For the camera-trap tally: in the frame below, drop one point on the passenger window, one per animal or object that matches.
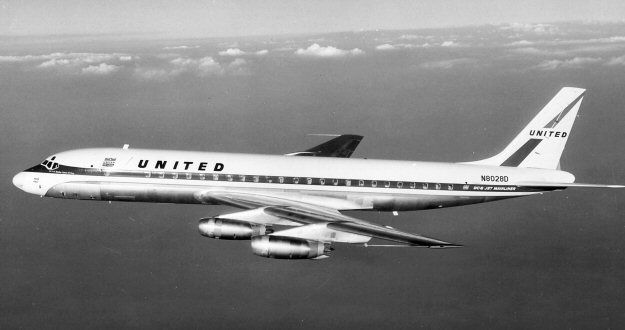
(147, 174)
(450, 187)
(425, 186)
(361, 183)
(281, 179)
(400, 184)
(374, 184)
(322, 181)
(229, 176)
(242, 178)
(348, 182)
(174, 175)
(202, 177)
(308, 180)
(438, 186)
(335, 182)
(189, 176)
(296, 180)
(269, 179)
(387, 184)
(256, 178)
(161, 175)
(216, 177)
(412, 185)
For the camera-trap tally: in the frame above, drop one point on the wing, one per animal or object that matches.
(342, 146)
(314, 222)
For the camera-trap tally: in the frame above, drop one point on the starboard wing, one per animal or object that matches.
(342, 146)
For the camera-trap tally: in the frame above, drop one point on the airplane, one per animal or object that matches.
(292, 207)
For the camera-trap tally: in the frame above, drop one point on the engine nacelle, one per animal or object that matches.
(288, 248)
(231, 229)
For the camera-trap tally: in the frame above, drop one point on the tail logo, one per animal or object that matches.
(546, 133)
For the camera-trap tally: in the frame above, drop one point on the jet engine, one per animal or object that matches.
(231, 229)
(288, 248)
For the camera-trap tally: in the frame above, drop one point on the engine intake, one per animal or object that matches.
(288, 248)
(231, 229)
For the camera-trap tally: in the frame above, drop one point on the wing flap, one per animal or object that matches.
(389, 234)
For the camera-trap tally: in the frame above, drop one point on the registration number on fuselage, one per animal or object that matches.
(495, 178)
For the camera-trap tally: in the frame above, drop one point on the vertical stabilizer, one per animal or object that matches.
(541, 142)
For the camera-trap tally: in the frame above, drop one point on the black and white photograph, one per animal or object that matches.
(312, 164)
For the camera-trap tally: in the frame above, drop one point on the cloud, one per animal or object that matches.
(238, 62)
(152, 74)
(18, 58)
(208, 66)
(385, 47)
(520, 43)
(584, 49)
(199, 67)
(74, 62)
(446, 64)
(315, 50)
(180, 47)
(262, 52)
(573, 63)
(540, 29)
(532, 51)
(409, 37)
(238, 67)
(449, 44)
(616, 61)
(56, 62)
(232, 52)
(592, 45)
(204, 66)
(101, 69)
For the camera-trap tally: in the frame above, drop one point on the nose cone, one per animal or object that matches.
(19, 180)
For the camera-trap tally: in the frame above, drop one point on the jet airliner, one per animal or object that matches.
(291, 206)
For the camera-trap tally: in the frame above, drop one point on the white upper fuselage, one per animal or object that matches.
(166, 175)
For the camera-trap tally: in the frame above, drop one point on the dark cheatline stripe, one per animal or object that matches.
(563, 113)
(519, 156)
(178, 177)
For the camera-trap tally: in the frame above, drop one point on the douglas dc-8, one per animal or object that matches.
(291, 205)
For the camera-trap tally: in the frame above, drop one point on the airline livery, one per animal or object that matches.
(291, 204)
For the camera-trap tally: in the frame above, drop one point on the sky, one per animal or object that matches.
(448, 94)
(199, 18)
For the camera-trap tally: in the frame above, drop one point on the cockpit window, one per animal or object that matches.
(50, 164)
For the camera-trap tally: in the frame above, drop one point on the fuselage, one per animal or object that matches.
(170, 176)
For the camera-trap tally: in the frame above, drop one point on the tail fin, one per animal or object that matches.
(541, 142)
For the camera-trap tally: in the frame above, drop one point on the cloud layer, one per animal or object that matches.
(315, 50)
(509, 46)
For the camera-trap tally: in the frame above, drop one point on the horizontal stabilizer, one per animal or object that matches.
(566, 185)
